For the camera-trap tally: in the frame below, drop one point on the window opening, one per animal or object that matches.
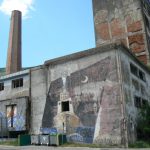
(17, 83)
(1, 86)
(65, 106)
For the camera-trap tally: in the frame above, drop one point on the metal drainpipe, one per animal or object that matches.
(122, 98)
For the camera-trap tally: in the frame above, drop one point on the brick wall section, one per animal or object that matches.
(117, 28)
(143, 59)
(136, 43)
(117, 20)
(134, 26)
(103, 31)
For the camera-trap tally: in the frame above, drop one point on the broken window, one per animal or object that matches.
(142, 75)
(1, 86)
(134, 69)
(137, 102)
(17, 83)
(11, 111)
(143, 90)
(65, 106)
(135, 84)
(140, 102)
(137, 72)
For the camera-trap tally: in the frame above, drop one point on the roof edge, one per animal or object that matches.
(81, 54)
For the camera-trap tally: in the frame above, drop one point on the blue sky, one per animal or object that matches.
(50, 28)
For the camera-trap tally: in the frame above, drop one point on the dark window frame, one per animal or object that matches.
(142, 75)
(140, 102)
(137, 72)
(144, 102)
(133, 69)
(1, 86)
(137, 102)
(16, 83)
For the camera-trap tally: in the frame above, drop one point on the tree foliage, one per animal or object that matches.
(143, 127)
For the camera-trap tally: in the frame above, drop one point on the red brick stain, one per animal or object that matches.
(134, 26)
(117, 28)
(103, 31)
(143, 59)
(136, 43)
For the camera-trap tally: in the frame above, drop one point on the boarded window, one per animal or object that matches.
(11, 111)
(1, 86)
(65, 106)
(17, 83)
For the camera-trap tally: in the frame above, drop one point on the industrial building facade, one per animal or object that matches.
(92, 96)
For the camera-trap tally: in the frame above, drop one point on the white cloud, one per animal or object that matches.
(23, 5)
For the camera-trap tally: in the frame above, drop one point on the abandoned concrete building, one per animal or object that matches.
(92, 96)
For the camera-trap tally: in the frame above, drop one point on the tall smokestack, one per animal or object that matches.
(14, 61)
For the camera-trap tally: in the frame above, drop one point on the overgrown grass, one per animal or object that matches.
(140, 144)
(9, 142)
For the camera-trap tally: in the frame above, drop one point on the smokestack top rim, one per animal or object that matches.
(16, 11)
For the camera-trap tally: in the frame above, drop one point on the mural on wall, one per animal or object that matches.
(15, 121)
(14, 111)
(74, 103)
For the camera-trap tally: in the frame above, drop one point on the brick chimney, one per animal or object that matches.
(14, 61)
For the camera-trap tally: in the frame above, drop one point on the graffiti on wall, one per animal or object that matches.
(15, 113)
(82, 134)
(15, 121)
(74, 102)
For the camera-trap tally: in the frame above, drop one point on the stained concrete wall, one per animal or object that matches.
(38, 98)
(121, 20)
(9, 92)
(133, 86)
(16, 96)
(91, 85)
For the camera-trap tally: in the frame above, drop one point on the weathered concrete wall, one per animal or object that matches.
(16, 96)
(133, 86)
(121, 20)
(20, 116)
(9, 92)
(38, 98)
(91, 86)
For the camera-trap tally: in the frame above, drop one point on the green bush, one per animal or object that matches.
(140, 144)
(143, 127)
